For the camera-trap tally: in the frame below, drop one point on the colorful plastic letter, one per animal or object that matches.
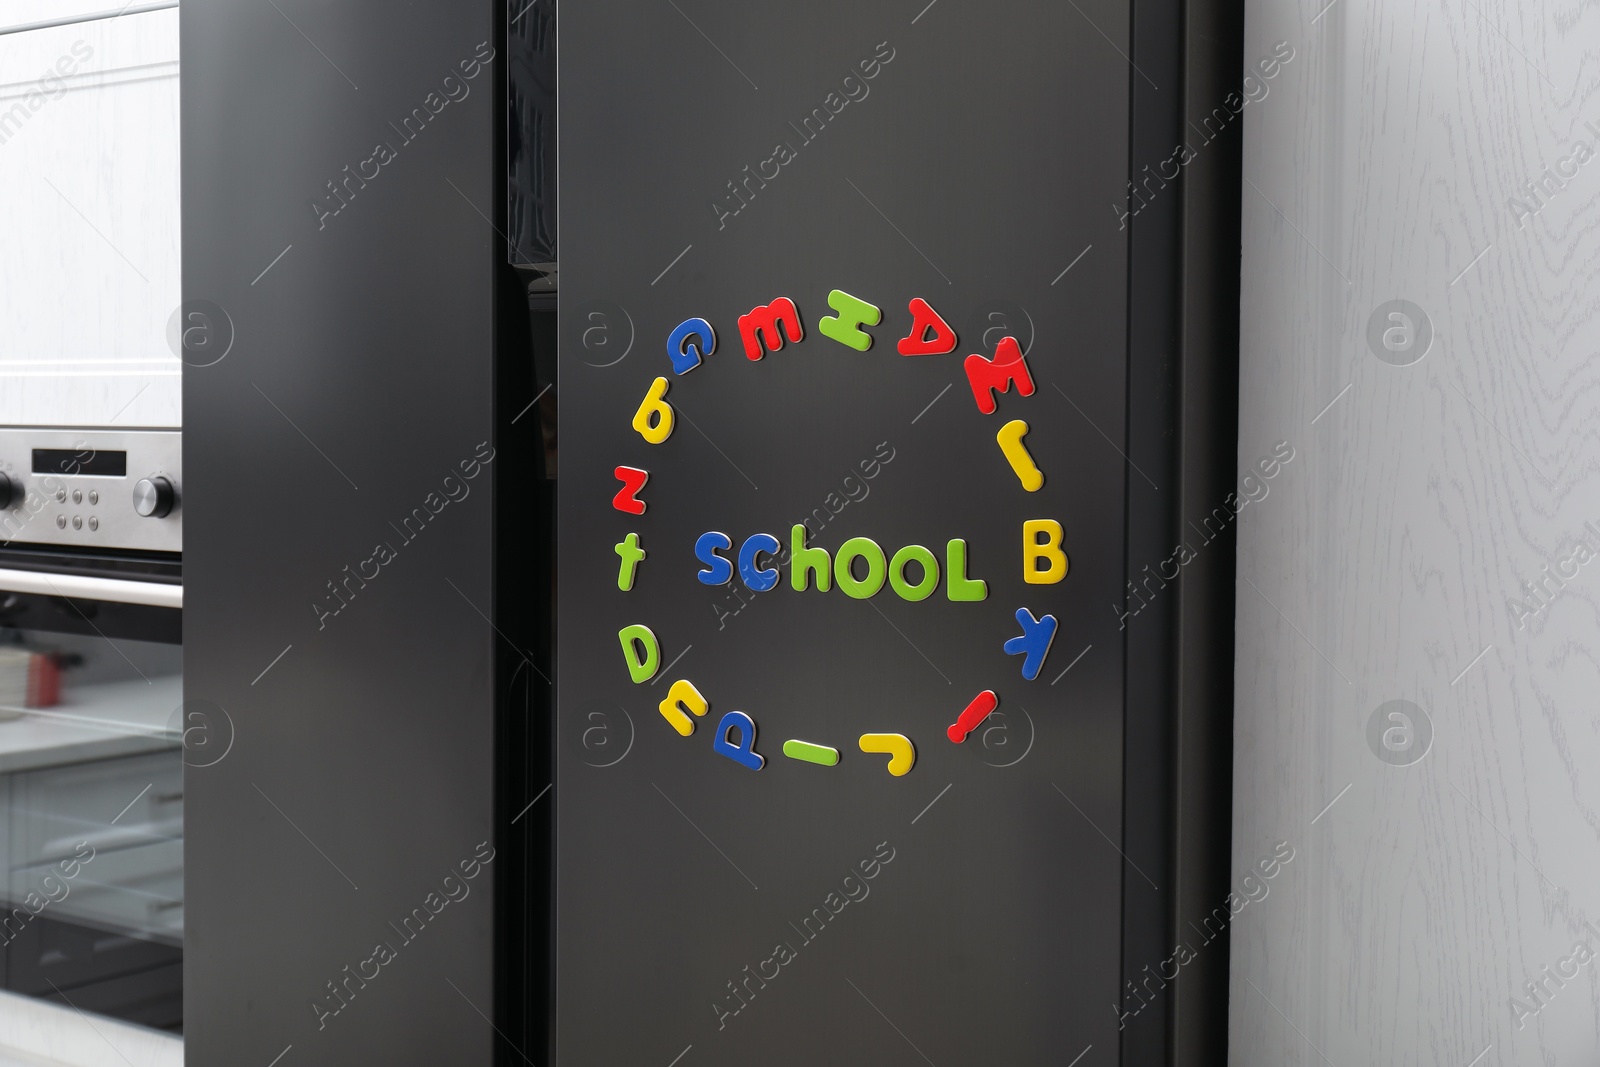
(744, 753)
(628, 548)
(627, 498)
(987, 376)
(718, 570)
(810, 753)
(653, 420)
(760, 330)
(867, 549)
(1041, 540)
(902, 753)
(971, 716)
(957, 585)
(757, 578)
(1016, 453)
(845, 327)
(683, 695)
(640, 668)
(1034, 644)
(923, 319)
(682, 349)
(930, 573)
(805, 562)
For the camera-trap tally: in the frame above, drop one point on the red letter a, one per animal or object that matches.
(923, 319)
(989, 376)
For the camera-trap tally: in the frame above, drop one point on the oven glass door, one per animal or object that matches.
(91, 822)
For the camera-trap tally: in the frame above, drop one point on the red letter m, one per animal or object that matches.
(760, 329)
(989, 376)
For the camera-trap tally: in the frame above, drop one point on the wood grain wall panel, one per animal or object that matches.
(1382, 166)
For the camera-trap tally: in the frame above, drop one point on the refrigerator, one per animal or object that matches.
(846, 676)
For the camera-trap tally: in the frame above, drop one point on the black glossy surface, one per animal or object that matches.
(1150, 787)
(74, 461)
(163, 567)
(362, 768)
(530, 69)
(1213, 56)
(96, 971)
(981, 162)
(91, 618)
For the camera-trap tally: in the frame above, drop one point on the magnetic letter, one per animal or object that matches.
(805, 562)
(744, 753)
(1041, 540)
(930, 573)
(682, 349)
(867, 549)
(989, 376)
(845, 327)
(759, 580)
(641, 669)
(810, 753)
(653, 420)
(760, 329)
(923, 319)
(628, 548)
(1034, 644)
(627, 498)
(683, 695)
(718, 570)
(958, 586)
(1016, 453)
(902, 754)
(973, 715)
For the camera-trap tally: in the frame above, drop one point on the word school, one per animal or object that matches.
(1043, 563)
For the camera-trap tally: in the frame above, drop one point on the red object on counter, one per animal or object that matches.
(44, 681)
(28, 679)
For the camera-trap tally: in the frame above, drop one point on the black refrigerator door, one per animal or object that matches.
(339, 162)
(879, 304)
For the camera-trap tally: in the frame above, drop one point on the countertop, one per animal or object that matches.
(94, 722)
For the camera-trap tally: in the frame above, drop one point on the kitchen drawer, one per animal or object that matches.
(135, 890)
(151, 998)
(128, 977)
(55, 807)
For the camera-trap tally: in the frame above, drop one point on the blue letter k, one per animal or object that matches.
(1034, 644)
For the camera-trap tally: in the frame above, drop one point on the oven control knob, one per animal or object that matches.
(10, 492)
(153, 497)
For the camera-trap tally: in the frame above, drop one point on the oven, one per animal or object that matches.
(93, 728)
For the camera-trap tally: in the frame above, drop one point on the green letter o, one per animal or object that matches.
(930, 573)
(867, 549)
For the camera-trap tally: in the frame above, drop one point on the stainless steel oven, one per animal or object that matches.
(92, 722)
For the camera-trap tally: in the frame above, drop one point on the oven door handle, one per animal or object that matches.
(82, 587)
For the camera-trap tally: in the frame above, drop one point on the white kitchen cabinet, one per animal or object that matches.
(89, 176)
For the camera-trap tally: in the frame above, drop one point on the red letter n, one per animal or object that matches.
(996, 375)
(760, 329)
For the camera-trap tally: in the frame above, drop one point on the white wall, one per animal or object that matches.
(89, 232)
(1382, 563)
